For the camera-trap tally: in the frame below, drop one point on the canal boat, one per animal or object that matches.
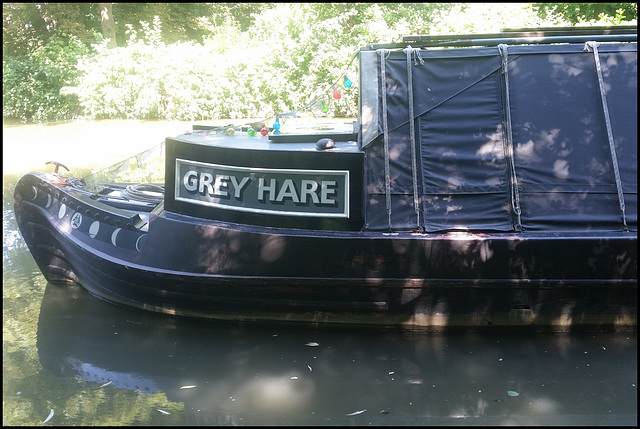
(489, 181)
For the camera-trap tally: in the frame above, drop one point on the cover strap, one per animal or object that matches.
(385, 131)
(417, 59)
(513, 179)
(593, 47)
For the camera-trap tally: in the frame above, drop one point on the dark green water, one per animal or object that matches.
(81, 361)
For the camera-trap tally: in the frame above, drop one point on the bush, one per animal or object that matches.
(32, 85)
(148, 79)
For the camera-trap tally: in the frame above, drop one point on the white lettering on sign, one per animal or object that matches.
(310, 191)
(328, 188)
(205, 183)
(309, 188)
(277, 191)
(238, 187)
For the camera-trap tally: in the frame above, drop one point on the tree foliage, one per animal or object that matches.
(576, 13)
(29, 26)
(32, 85)
(224, 60)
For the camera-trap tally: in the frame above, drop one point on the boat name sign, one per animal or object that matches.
(318, 193)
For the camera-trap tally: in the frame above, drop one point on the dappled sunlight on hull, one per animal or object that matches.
(411, 303)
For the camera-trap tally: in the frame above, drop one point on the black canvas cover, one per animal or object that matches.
(505, 138)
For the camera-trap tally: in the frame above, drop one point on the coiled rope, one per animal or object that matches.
(147, 193)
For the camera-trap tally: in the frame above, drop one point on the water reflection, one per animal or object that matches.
(254, 374)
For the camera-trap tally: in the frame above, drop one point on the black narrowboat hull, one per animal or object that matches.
(186, 266)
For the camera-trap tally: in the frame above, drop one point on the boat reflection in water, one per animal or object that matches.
(281, 374)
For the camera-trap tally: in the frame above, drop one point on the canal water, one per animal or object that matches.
(71, 359)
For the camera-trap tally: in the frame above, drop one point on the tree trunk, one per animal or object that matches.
(108, 24)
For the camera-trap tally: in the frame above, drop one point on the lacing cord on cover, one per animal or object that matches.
(385, 131)
(513, 185)
(593, 47)
(417, 59)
